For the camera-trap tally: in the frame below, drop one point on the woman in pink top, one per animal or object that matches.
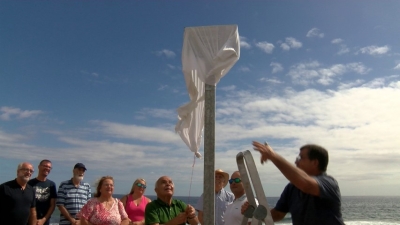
(103, 209)
(135, 202)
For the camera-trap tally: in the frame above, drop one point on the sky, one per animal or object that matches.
(99, 82)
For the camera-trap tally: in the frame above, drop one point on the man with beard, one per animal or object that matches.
(222, 198)
(72, 195)
(17, 198)
(166, 210)
(46, 193)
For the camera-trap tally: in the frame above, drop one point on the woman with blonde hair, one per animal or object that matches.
(103, 209)
(135, 202)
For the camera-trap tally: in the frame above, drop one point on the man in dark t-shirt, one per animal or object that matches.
(46, 193)
(312, 197)
(17, 198)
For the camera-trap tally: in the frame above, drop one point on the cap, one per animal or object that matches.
(80, 165)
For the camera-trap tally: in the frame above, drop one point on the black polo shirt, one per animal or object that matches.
(15, 203)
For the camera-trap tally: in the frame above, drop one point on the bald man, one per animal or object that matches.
(166, 210)
(17, 205)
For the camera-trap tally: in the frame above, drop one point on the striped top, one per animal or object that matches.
(72, 198)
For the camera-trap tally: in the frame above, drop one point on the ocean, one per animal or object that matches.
(371, 210)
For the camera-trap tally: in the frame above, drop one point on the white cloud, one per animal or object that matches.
(243, 43)
(228, 88)
(265, 46)
(315, 32)
(244, 69)
(291, 42)
(337, 41)
(171, 66)
(313, 72)
(397, 67)
(8, 112)
(167, 53)
(343, 50)
(285, 47)
(271, 80)
(374, 50)
(276, 67)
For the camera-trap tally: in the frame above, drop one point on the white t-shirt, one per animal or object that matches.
(233, 215)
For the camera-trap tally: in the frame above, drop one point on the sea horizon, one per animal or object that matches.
(356, 210)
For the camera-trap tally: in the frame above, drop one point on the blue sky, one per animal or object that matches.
(99, 82)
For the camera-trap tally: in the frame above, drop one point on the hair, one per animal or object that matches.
(21, 164)
(319, 153)
(100, 183)
(134, 183)
(44, 161)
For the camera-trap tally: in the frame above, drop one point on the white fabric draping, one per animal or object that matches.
(208, 54)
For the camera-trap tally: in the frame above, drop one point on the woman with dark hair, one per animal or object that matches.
(135, 202)
(103, 209)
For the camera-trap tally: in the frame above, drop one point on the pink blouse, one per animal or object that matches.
(95, 212)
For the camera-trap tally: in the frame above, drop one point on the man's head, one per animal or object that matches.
(79, 171)
(164, 187)
(221, 179)
(24, 172)
(313, 159)
(236, 185)
(44, 168)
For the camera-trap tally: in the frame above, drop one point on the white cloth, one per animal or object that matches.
(208, 54)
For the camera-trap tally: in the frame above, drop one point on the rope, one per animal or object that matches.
(191, 178)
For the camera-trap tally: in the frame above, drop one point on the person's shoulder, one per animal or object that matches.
(50, 182)
(7, 183)
(33, 181)
(66, 182)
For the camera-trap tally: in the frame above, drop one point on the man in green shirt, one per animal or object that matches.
(166, 210)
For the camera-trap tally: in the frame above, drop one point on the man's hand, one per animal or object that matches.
(244, 207)
(266, 151)
(190, 211)
(41, 221)
(179, 219)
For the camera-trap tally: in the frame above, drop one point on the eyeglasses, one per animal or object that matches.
(141, 185)
(236, 180)
(27, 170)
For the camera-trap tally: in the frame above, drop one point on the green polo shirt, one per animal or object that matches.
(159, 212)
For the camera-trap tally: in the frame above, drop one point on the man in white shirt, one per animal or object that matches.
(233, 215)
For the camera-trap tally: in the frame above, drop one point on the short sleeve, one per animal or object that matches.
(89, 196)
(283, 205)
(87, 210)
(53, 190)
(150, 214)
(122, 211)
(199, 206)
(33, 203)
(60, 195)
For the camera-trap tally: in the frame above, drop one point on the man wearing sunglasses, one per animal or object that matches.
(312, 197)
(233, 215)
(17, 205)
(222, 198)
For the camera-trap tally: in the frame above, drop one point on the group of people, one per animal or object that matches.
(311, 196)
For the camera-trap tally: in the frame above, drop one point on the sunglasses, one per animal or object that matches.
(236, 180)
(141, 185)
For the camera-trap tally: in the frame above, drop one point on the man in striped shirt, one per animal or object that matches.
(72, 196)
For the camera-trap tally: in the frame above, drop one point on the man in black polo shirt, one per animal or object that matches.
(17, 198)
